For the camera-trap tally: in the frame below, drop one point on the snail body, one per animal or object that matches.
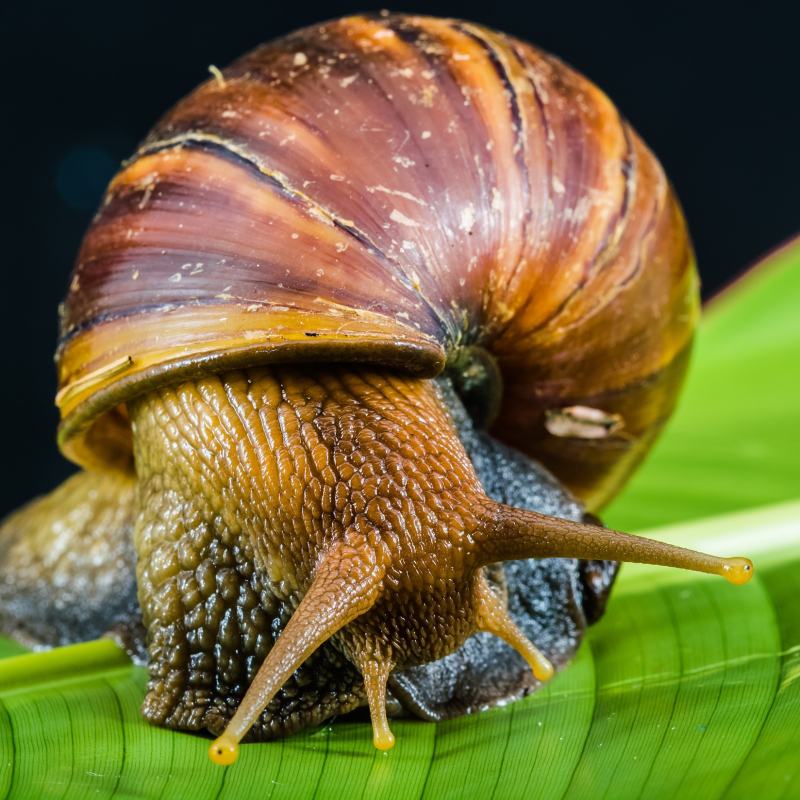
(255, 325)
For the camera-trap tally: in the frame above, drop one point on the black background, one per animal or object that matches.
(713, 88)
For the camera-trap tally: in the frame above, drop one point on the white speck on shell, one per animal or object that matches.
(497, 200)
(582, 422)
(397, 216)
(468, 218)
(406, 195)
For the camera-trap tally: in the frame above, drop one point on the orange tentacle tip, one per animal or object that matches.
(383, 740)
(223, 751)
(737, 570)
(543, 670)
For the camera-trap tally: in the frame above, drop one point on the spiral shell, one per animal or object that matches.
(408, 191)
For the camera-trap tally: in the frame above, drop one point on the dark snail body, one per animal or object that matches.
(253, 325)
(68, 565)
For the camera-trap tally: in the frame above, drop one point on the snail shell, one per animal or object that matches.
(405, 191)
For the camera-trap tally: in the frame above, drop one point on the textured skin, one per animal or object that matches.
(249, 481)
(243, 475)
(392, 190)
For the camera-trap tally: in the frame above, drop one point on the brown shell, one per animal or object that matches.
(391, 189)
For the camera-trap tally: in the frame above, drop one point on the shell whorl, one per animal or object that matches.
(391, 189)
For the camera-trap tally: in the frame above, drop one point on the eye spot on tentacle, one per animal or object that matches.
(223, 751)
(738, 570)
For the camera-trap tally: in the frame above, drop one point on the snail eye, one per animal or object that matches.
(224, 751)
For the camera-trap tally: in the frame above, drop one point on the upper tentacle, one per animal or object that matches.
(506, 534)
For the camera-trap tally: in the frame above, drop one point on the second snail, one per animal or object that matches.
(359, 341)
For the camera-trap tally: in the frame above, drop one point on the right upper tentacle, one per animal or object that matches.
(507, 533)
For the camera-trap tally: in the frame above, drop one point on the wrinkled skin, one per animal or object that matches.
(229, 528)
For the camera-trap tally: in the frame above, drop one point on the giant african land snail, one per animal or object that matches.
(255, 325)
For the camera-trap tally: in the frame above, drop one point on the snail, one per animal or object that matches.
(319, 282)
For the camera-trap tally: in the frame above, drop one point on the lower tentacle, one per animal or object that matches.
(376, 673)
(493, 618)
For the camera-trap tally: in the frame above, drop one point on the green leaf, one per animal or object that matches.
(9, 648)
(689, 687)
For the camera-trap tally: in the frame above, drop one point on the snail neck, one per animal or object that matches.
(283, 460)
